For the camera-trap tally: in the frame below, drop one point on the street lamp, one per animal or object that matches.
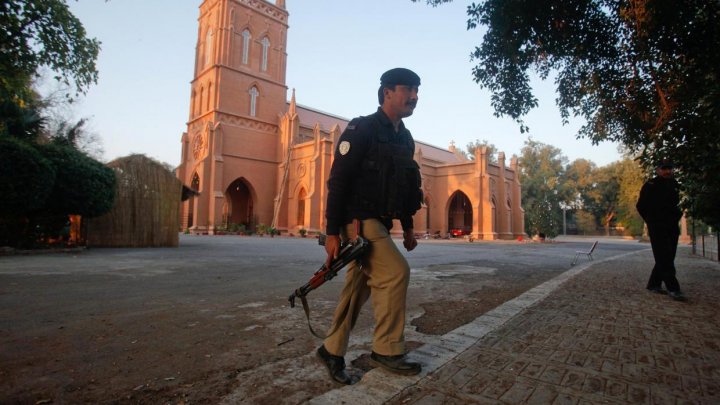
(571, 205)
(564, 207)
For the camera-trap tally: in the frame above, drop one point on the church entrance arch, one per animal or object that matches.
(240, 203)
(460, 215)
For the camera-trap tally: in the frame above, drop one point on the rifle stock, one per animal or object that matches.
(349, 251)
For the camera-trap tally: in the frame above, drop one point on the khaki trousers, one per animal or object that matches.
(384, 278)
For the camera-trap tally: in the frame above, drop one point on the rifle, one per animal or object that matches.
(349, 251)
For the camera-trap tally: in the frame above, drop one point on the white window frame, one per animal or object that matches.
(246, 36)
(254, 93)
(265, 47)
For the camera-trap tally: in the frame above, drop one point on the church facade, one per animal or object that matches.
(256, 158)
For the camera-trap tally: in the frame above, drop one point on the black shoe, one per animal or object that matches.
(397, 364)
(677, 295)
(657, 290)
(335, 366)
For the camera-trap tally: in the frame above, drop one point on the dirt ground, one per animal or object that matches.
(173, 356)
(163, 327)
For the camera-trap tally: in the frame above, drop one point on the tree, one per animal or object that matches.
(603, 197)
(586, 222)
(83, 186)
(541, 171)
(645, 73)
(76, 136)
(472, 146)
(26, 178)
(44, 176)
(577, 182)
(630, 177)
(43, 33)
(21, 121)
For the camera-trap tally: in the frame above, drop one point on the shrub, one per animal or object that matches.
(83, 186)
(26, 178)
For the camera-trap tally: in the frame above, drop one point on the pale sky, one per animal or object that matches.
(337, 50)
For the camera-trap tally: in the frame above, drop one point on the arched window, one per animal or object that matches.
(245, 46)
(265, 47)
(509, 215)
(254, 93)
(208, 47)
(193, 102)
(494, 215)
(200, 103)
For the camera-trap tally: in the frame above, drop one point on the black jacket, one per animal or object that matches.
(350, 182)
(659, 201)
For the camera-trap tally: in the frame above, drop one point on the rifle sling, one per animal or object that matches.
(341, 319)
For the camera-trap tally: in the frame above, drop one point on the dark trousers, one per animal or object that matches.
(664, 243)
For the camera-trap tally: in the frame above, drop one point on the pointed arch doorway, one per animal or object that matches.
(240, 204)
(460, 215)
(195, 185)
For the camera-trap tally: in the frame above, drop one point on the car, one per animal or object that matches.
(459, 232)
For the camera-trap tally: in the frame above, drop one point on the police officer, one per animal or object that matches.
(374, 180)
(658, 206)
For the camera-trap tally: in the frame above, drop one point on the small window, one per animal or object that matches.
(200, 103)
(265, 47)
(254, 93)
(208, 48)
(245, 46)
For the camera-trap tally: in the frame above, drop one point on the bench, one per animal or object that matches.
(587, 253)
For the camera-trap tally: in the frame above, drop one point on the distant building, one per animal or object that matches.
(256, 158)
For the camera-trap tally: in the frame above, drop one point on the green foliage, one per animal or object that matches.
(541, 169)
(83, 186)
(602, 198)
(41, 183)
(43, 33)
(24, 123)
(701, 185)
(586, 222)
(236, 228)
(491, 150)
(26, 178)
(643, 73)
(594, 196)
(630, 177)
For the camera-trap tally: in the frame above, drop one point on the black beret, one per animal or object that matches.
(665, 163)
(400, 76)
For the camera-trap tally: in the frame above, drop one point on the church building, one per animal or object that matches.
(257, 158)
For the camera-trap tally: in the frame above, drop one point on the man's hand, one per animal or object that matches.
(409, 240)
(332, 247)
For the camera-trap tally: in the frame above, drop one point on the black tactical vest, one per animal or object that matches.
(389, 182)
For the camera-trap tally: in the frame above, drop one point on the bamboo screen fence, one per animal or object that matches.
(147, 207)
